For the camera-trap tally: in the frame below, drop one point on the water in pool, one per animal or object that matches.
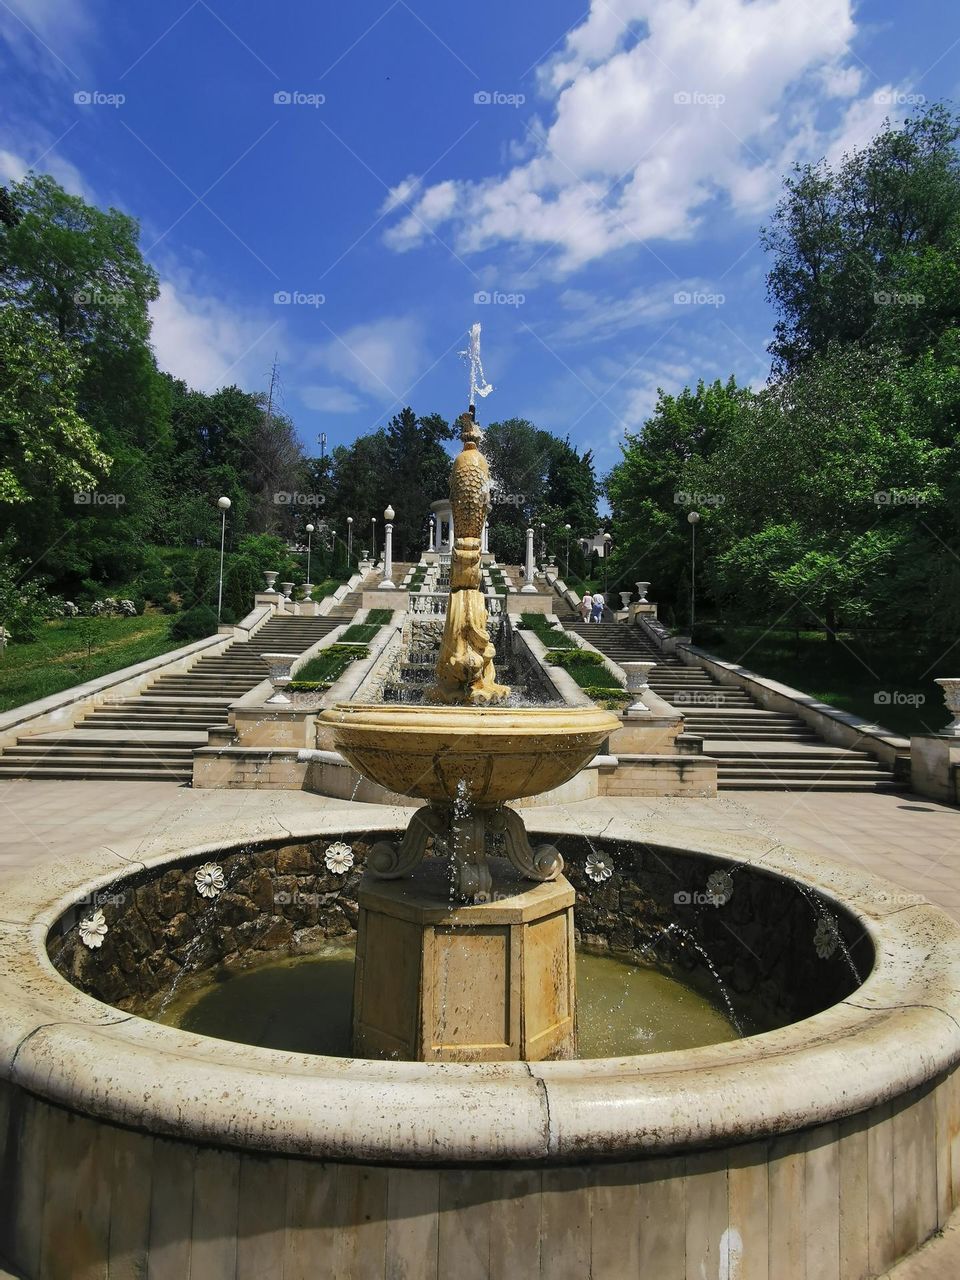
(303, 1005)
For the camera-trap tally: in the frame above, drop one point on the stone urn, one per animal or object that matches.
(951, 696)
(271, 577)
(287, 589)
(625, 598)
(638, 674)
(278, 671)
(642, 589)
(551, 562)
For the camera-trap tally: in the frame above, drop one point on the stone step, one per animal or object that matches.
(147, 722)
(819, 784)
(98, 751)
(817, 769)
(100, 771)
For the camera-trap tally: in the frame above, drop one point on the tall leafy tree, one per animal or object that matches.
(852, 243)
(45, 444)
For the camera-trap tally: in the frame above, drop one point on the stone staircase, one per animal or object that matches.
(152, 735)
(755, 749)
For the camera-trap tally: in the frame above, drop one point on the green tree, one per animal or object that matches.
(45, 443)
(848, 242)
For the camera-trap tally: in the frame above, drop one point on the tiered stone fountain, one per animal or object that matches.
(437, 980)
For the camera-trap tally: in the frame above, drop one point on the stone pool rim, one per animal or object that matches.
(896, 1032)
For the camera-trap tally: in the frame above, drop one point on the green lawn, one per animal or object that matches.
(328, 666)
(63, 655)
(870, 678)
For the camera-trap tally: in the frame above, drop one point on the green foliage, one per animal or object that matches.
(194, 624)
(43, 438)
(24, 602)
(881, 225)
(537, 478)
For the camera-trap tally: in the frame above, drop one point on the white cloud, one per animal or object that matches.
(383, 358)
(208, 344)
(627, 158)
(330, 399)
(46, 36)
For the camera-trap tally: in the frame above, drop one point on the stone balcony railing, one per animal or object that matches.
(434, 603)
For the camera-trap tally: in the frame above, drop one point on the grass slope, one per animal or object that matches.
(70, 651)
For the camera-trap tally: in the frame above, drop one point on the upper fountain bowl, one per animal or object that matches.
(492, 755)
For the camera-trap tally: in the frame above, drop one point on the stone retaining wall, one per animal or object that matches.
(780, 955)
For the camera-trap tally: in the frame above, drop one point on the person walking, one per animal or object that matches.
(586, 607)
(597, 607)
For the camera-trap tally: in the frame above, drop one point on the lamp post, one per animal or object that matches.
(693, 519)
(543, 542)
(309, 543)
(224, 505)
(566, 575)
(433, 534)
(388, 583)
(606, 563)
(349, 541)
(373, 537)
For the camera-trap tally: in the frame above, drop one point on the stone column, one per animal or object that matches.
(528, 571)
(485, 538)
(388, 583)
(433, 532)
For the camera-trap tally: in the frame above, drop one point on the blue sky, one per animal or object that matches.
(585, 167)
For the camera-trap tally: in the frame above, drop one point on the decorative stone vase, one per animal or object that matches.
(642, 589)
(625, 598)
(271, 577)
(278, 671)
(637, 674)
(951, 696)
(287, 589)
(551, 562)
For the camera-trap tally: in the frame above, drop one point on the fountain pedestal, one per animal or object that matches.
(489, 982)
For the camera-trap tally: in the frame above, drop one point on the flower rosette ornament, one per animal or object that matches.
(209, 880)
(93, 930)
(339, 858)
(598, 867)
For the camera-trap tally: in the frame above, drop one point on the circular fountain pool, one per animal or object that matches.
(829, 1132)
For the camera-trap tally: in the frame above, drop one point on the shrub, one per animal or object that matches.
(194, 624)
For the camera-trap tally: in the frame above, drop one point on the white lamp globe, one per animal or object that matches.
(223, 504)
(388, 513)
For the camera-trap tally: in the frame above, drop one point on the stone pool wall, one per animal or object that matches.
(779, 954)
